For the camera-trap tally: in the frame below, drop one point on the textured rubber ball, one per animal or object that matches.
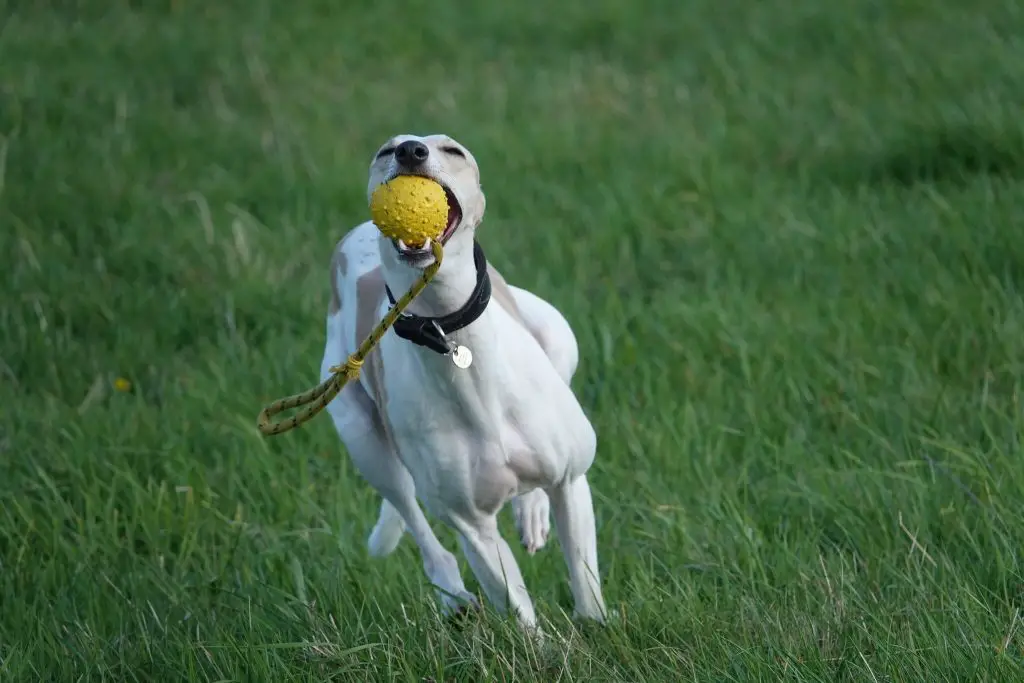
(410, 208)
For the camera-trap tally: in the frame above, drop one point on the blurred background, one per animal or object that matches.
(787, 233)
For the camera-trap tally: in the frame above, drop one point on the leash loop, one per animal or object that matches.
(317, 398)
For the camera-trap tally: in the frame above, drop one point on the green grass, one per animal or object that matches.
(788, 235)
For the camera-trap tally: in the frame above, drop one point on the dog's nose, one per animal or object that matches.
(411, 153)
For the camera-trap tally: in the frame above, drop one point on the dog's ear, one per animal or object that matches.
(478, 209)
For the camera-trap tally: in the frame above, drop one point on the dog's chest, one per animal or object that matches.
(484, 433)
(474, 459)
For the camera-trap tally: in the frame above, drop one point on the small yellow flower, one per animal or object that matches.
(121, 384)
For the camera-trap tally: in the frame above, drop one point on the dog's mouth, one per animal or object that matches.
(423, 256)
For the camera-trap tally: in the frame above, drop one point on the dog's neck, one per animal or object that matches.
(450, 288)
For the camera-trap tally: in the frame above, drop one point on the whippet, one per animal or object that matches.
(464, 437)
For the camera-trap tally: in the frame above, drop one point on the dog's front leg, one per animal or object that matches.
(577, 534)
(494, 566)
(380, 466)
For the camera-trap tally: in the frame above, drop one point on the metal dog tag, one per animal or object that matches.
(462, 357)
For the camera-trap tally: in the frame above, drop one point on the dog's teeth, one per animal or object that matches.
(402, 246)
(426, 245)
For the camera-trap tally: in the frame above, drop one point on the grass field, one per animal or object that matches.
(789, 235)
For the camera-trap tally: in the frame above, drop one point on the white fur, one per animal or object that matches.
(465, 442)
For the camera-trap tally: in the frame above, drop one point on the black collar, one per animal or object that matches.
(430, 332)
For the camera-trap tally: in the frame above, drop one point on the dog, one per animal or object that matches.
(424, 425)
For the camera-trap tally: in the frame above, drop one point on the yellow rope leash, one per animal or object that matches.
(324, 393)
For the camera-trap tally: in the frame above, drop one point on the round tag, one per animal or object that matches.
(462, 357)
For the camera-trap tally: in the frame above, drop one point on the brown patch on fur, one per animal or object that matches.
(370, 296)
(339, 266)
(503, 295)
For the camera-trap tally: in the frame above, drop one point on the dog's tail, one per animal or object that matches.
(387, 532)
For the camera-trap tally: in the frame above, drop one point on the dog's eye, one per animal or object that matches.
(454, 151)
(384, 152)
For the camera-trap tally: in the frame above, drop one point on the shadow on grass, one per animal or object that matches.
(952, 155)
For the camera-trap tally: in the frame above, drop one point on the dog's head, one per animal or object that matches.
(445, 161)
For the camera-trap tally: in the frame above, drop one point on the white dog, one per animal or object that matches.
(463, 439)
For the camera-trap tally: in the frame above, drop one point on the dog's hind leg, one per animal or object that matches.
(358, 426)
(533, 519)
(387, 532)
(552, 331)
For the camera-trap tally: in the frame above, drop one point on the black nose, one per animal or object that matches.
(411, 153)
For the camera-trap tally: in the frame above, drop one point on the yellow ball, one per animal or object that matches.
(410, 208)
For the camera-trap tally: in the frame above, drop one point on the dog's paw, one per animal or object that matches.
(608, 616)
(457, 610)
(533, 519)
